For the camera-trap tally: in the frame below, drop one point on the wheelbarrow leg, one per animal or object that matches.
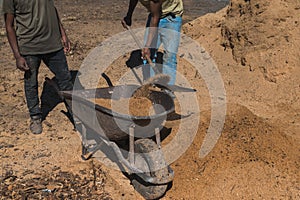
(131, 145)
(86, 152)
(83, 130)
(157, 137)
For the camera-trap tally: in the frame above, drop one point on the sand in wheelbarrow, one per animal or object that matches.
(135, 106)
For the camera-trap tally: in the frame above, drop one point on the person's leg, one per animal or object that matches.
(57, 63)
(170, 36)
(31, 86)
(31, 93)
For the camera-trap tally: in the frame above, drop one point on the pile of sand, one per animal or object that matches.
(264, 35)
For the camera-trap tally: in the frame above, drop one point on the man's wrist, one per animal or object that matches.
(129, 15)
(17, 56)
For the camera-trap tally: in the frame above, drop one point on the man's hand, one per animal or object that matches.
(21, 64)
(66, 42)
(146, 53)
(126, 21)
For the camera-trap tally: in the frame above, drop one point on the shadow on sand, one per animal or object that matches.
(50, 98)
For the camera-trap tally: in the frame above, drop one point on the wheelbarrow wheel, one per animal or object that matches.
(149, 158)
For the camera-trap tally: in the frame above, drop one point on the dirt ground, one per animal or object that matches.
(255, 45)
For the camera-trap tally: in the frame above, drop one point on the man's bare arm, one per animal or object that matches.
(127, 21)
(12, 39)
(155, 9)
(65, 40)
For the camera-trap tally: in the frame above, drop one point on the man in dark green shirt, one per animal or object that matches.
(36, 34)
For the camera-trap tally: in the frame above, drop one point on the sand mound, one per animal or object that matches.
(264, 35)
(256, 47)
(252, 160)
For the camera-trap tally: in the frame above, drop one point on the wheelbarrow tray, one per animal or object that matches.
(113, 125)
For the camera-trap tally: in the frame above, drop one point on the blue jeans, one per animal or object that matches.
(169, 37)
(57, 63)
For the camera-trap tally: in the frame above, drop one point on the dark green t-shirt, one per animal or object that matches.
(37, 25)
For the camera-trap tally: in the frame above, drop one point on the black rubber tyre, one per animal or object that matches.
(152, 164)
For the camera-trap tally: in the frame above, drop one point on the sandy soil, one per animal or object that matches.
(255, 46)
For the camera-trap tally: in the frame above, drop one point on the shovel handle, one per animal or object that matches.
(137, 41)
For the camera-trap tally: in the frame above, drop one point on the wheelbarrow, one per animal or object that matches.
(145, 161)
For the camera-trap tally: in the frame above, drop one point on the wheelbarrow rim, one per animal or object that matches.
(71, 96)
